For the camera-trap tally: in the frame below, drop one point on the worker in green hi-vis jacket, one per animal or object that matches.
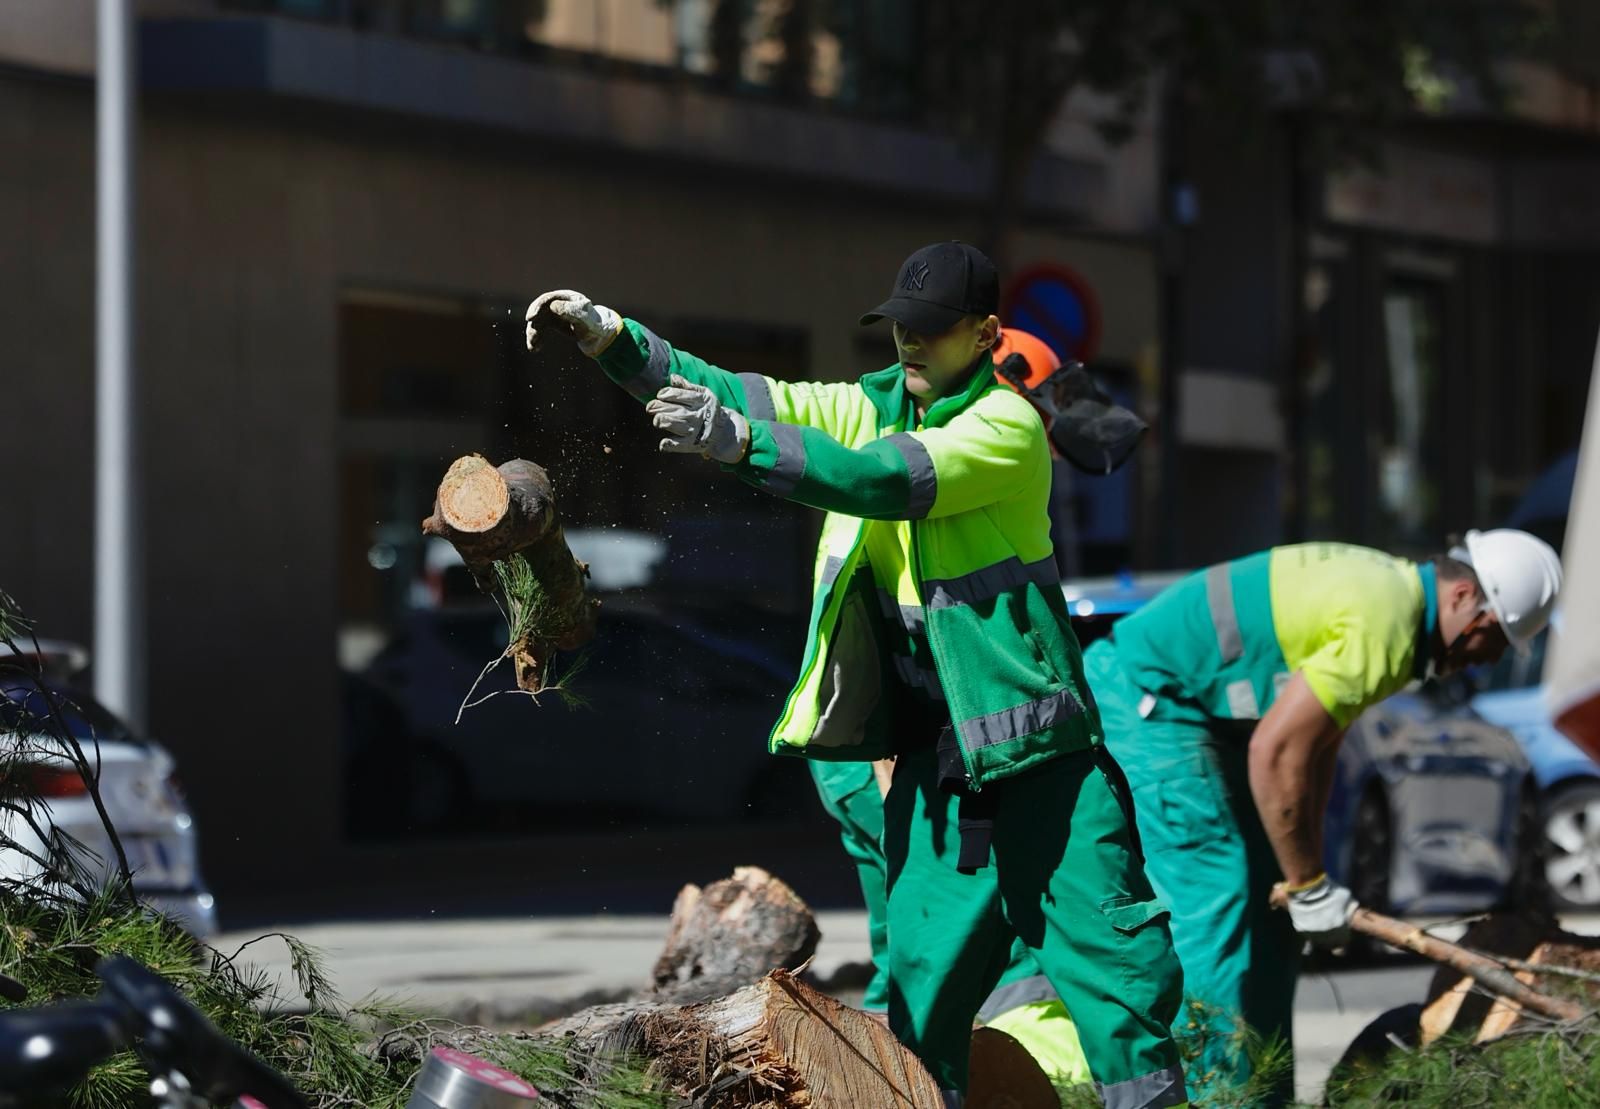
(1007, 819)
(1225, 699)
(1095, 436)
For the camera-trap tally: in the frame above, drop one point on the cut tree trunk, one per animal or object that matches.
(777, 1043)
(491, 513)
(730, 934)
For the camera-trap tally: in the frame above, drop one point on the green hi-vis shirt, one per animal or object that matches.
(1348, 618)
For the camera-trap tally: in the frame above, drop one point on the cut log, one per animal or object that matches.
(1002, 1074)
(490, 514)
(730, 934)
(776, 1043)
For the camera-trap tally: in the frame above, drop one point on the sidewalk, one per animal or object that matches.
(504, 970)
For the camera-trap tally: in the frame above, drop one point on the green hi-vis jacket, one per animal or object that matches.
(972, 485)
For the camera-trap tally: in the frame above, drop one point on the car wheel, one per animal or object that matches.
(1371, 863)
(1572, 845)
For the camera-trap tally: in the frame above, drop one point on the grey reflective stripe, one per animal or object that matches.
(758, 398)
(1024, 991)
(658, 360)
(1159, 1089)
(791, 463)
(1020, 720)
(1224, 620)
(918, 678)
(909, 616)
(924, 481)
(830, 569)
(1242, 704)
(991, 581)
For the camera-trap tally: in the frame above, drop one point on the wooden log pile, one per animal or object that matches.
(729, 1023)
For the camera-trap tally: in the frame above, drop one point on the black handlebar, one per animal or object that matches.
(49, 1048)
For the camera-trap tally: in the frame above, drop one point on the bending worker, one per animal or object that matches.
(1006, 818)
(1225, 699)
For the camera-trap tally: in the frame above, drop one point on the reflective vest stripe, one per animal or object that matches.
(910, 617)
(1224, 619)
(1024, 991)
(1019, 720)
(758, 398)
(991, 581)
(1160, 1089)
(924, 479)
(791, 464)
(648, 382)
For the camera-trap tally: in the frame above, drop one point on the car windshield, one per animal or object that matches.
(23, 708)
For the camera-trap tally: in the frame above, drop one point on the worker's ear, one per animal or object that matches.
(988, 333)
(1459, 596)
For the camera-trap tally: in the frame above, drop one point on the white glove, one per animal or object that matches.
(695, 422)
(1321, 913)
(593, 325)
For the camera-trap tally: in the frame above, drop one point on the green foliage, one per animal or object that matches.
(1207, 1033)
(526, 603)
(1542, 1067)
(363, 1055)
(57, 926)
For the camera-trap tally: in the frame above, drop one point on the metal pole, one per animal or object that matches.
(119, 671)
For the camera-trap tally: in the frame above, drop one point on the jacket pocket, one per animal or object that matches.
(1128, 914)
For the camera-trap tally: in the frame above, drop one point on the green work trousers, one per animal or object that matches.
(1065, 879)
(1023, 1004)
(849, 793)
(1209, 859)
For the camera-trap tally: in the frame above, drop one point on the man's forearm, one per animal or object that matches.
(1281, 783)
(1290, 752)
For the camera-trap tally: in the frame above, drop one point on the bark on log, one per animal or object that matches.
(491, 513)
(730, 934)
(776, 1043)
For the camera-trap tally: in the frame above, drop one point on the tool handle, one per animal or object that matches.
(1489, 973)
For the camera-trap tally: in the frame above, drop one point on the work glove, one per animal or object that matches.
(695, 422)
(593, 325)
(1321, 912)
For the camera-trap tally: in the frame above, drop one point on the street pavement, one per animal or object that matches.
(519, 970)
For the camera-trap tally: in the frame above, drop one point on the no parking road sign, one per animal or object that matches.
(1059, 306)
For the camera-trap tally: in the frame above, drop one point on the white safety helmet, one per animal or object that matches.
(1521, 578)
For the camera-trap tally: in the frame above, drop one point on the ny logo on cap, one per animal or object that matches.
(916, 273)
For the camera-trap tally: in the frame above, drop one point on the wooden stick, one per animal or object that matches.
(1489, 973)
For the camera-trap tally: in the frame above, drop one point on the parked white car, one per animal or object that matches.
(137, 786)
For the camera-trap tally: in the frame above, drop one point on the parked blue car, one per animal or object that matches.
(1512, 696)
(1434, 809)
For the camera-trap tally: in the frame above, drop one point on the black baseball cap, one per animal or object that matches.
(938, 286)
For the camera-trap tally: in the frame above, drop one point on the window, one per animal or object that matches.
(1404, 440)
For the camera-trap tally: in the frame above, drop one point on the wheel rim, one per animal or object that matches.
(1573, 831)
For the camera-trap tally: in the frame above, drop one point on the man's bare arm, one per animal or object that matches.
(1291, 768)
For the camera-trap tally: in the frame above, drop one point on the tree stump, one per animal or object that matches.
(777, 1043)
(730, 934)
(490, 514)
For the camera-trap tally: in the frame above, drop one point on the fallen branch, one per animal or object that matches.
(1489, 972)
(504, 523)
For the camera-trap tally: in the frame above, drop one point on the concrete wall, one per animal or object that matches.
(253, 217)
